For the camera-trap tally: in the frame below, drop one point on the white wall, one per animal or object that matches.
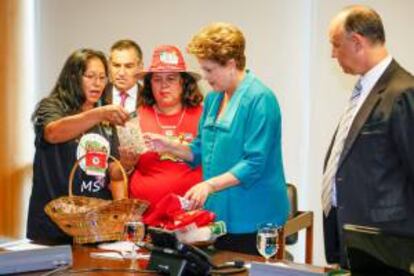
(287, 47)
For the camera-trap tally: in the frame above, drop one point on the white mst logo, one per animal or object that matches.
(93, 185)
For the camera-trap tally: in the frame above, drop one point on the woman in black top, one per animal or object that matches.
(73, 108)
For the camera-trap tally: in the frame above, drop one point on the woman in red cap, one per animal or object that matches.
(170, 105)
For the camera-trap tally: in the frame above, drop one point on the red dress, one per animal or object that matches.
(156, 176)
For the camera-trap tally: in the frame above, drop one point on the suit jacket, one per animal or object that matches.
(108, 93)
(375, 176)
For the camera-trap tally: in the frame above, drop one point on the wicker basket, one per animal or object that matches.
(90, 220)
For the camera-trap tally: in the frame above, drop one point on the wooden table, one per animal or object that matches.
(82, 260)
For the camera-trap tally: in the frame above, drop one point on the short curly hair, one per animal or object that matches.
(219, 42)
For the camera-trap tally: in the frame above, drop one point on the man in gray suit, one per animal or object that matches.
(369, 168)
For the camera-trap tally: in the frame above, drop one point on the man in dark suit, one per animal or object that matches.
(125, 63)
(369, 168)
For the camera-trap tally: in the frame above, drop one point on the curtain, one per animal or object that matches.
(14, 175)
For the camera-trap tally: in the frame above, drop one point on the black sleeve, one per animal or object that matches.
(49, 110)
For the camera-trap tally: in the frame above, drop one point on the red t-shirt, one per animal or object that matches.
(153, 177)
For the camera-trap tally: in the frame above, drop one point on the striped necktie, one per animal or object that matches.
(345, 124)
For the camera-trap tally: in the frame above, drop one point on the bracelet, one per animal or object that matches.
(212, 185)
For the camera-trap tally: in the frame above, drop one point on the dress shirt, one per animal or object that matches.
(131, 100)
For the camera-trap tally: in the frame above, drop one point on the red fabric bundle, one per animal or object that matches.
(170, 214)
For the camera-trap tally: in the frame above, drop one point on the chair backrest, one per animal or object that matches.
(293, 200)
(298, 220)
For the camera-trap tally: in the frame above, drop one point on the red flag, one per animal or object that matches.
(96, 160)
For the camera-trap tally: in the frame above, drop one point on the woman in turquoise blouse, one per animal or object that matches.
(238, 143)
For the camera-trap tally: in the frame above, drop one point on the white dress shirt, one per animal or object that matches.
(131, 100)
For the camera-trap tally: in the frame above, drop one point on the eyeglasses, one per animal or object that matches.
(93, 77)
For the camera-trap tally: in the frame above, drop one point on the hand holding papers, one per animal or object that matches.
(130, 137)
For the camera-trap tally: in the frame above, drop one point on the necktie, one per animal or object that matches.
(345, 124)
(123, 96)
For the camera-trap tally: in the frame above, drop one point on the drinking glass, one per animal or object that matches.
(133, 233)
(266, 242)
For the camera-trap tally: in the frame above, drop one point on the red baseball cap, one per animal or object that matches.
(168, 58)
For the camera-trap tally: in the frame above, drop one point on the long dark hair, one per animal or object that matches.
(67, 92)
(191, 92)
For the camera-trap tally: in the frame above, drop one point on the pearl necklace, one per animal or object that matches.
(168, 128)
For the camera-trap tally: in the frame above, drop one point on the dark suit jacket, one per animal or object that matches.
(108, 93)
(375, 177)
